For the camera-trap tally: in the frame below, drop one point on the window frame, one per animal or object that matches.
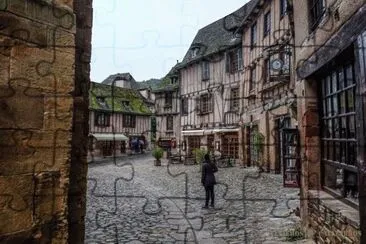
(315, 18)
(205, 103)
(253, 82)
(234, 60)
(234, 99)
(168, 102)
(129, 120)
(283, 8)
(169, 123)
(253, 35)
(104, 121)
(336, 146)
(184, 106)
(205, 69)
(267, 23)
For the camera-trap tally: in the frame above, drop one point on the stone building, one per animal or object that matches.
(269, 102)
(168, 111)
(118, 118)
(330, 67)
(211, 75)
(45, 49)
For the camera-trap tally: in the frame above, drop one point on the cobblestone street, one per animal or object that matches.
(133, 201)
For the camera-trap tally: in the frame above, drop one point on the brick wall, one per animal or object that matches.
(40, 104)
(332, 221)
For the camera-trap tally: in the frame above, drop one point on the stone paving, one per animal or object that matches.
(135, 202)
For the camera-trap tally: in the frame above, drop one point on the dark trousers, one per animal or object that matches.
(210, 194)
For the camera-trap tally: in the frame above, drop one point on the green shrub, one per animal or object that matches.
(199, 154)
(157, 153)
(294, 234)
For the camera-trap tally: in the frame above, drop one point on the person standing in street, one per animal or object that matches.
(208, 180)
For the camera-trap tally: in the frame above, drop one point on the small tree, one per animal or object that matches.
(157, 154)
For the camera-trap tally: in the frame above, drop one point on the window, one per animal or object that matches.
(129, 121)
(230, 145)
(169, 123)
(194, 52)
(168, 99)
(234, 60)
(266, 70)
(317, 9)
(205, 70)
(126, 105)
(253, 78)
(253, 35)
(102, 102)
(234, 99)
(284, 56)
(205, 104)
(102, 119)
(339, 132)
(283, 7)
(184, 106)
(267, 24)
(174, 80)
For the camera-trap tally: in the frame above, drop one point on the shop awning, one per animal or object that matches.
(192, 132)
(110, 137)
(226, 130)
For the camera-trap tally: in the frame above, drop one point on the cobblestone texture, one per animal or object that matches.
(153, 208)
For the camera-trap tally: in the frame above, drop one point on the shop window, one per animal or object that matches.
(338, 141)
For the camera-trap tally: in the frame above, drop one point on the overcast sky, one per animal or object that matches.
(147, 37)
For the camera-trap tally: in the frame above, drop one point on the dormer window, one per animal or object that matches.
(101, 101)
(173, 80)
(126, 103)
(195, 52)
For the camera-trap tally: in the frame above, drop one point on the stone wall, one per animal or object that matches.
(332, 220)
(41, 104)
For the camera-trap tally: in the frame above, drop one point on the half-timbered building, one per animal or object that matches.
(331, 89)
(211, 74)
(167, 111)
(118, 119)
(268, 98)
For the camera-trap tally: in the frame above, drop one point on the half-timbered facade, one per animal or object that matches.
(119, 119)
(167, 111)
(211, 74)
(331, 82)
(268, 86)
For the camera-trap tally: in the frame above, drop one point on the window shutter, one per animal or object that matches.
(227, 62)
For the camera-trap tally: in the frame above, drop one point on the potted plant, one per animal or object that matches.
(199, 155)
(157, 154)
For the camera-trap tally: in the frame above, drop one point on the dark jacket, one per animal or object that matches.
(208, 177)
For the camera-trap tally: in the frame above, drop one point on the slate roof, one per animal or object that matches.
(122, 76)
(165, 83)
(219, 35)
(116, 95)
